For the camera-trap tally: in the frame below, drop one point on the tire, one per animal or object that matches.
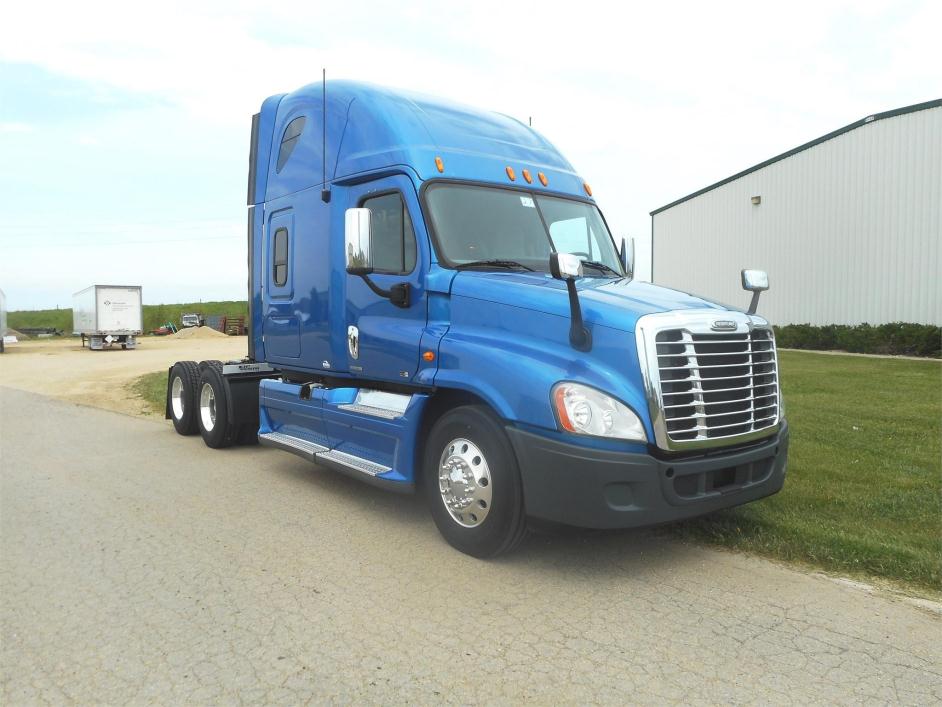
(485, 519)
(213, 409)
(182, 384)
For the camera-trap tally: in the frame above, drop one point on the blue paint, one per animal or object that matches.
(500, 336)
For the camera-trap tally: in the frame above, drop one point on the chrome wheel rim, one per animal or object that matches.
(464, 480)
(176, 398)
(208, 407)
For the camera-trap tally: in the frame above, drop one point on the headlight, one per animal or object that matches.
(587, 411)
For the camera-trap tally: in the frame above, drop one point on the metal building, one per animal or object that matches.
(848, 227)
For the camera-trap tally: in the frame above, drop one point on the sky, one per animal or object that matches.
(124, 127)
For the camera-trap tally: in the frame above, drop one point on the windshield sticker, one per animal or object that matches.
(527, 201)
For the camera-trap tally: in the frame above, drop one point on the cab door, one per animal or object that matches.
(383, 338)
(281, 326)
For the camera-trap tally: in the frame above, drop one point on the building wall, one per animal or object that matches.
(849, 230)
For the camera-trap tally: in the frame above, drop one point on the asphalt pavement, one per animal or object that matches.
(137, 566)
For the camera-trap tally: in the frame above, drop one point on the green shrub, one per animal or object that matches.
(897, 339)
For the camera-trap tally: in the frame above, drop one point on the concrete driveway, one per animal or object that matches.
(138, 566)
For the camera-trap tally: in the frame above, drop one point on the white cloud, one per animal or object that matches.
(649, 101)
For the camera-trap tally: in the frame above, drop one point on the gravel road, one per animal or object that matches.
(138, 566)
(63, 369)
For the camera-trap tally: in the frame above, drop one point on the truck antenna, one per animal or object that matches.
(325, 191)
(531, 121)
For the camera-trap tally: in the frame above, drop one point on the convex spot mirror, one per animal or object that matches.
(358, 242)
(755, 280)
(565, 266)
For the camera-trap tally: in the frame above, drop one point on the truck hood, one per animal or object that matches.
(612, 303)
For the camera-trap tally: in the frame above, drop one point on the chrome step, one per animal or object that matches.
(292, 444)
(354, 462)
(316, 452)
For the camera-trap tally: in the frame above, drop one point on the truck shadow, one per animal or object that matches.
(549, 548)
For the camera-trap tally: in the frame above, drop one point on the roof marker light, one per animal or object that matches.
(542, 177)
(439, 164)
(588, 189)
(526, 175)
(511, 174)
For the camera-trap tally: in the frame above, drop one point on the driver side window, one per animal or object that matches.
(394, 249)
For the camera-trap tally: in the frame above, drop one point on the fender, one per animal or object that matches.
(515, 374)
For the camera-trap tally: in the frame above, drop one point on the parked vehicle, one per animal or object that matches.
(191, 320)
(436, 303)
(164, 329)
(3, 319)
(108, 315)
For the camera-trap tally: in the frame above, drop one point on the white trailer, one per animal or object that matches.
(107, 315)
(3, 318)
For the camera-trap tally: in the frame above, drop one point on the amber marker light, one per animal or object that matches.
(429, 355)
(588, 189)
(542, 177)
(511, 174)
(527, 176)
(559, 398)
(439, 164)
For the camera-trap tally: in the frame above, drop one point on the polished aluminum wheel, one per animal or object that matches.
(464, 481)
(176, 398)
(208, 407)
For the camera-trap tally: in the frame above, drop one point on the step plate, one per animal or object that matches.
(278, 439)
(354, 462)
(370, 410)
(318, 452)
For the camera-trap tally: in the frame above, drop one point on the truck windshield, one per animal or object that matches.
(475, 224)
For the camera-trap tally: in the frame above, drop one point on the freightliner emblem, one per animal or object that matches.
(723, 325)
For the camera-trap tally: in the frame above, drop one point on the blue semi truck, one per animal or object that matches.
(437, 304)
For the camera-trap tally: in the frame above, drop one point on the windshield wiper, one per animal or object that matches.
(601, 267)
(493, 263)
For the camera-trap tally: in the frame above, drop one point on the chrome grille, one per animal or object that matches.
(710, 388)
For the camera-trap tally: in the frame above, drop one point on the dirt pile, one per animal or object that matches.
(203, 332)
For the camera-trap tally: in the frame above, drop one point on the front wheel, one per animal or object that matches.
(472, 483)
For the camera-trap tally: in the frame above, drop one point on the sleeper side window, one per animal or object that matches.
(279, 259)
(289, 141)
(394, 249)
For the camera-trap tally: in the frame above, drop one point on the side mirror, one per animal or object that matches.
(565, 266)
(756, 282)
(358, 242)
(628, 256)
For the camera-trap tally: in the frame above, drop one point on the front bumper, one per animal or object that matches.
(592, 488)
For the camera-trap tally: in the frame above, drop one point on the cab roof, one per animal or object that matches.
(371, 129)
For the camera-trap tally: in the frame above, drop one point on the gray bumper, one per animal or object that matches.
(592, 488)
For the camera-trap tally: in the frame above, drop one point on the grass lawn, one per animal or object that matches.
(862, 495)
(152, 388)
(864, 484)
